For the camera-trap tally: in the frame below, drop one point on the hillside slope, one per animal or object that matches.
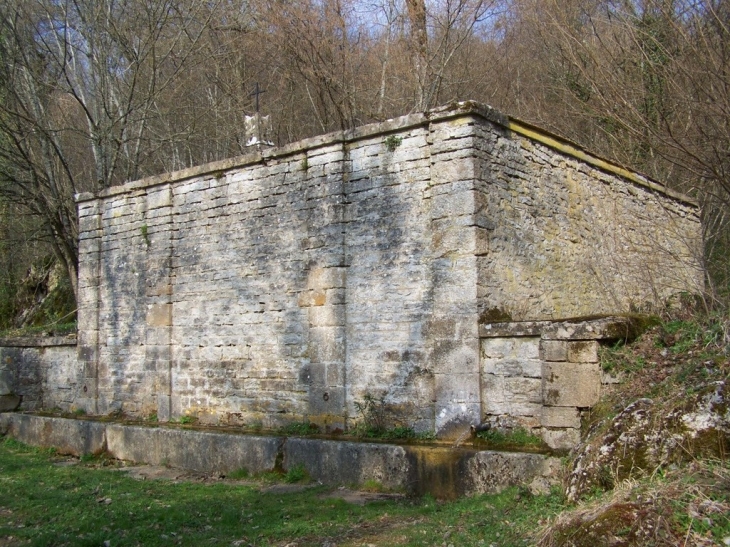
(652, 469)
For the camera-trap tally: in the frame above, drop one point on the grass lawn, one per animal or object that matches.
(49, 500)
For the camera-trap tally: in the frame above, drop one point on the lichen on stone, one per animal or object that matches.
(647, 436)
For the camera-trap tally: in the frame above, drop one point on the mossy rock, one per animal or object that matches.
(647, 436)
(619, 524)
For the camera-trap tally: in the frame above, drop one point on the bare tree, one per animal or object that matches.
(419, 46)
(317, 50)
(438, 35)
(81, 85)
(646, 83)
(97, 92)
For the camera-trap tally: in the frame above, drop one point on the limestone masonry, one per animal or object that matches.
(292, 283)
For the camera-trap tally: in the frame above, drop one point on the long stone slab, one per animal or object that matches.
(207, 452)
(414, 469)
(344, 462)
(75, 437)
(417, 469)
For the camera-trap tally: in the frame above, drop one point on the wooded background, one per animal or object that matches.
(94, 93)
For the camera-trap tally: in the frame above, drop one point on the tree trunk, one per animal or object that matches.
(419, 45)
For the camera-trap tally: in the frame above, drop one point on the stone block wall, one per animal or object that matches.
(39, 373)
(542, 375)
(387, 291)
(284, 289)
(565, 237)
(291, 284)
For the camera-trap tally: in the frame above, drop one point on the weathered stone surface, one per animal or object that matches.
(560, 438)
(39, 373)
(511, 347)
(349, 462)
(511, 329)
(571, 384)
(494, 471)
(625, 327)
(75, 437)
(9, 402)
(553, 350)
(567, 255)
(159, 315)
(543, 391)
(198, 451)
(601, 328)
(560, 417)
(528, 368)
(439, 471)
(646, 436)
(291, 284)
(583, 351)
(6, 379)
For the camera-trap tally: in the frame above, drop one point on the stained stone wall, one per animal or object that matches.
(542, 376)
(39, 373)
(568, 238)
(290, 284)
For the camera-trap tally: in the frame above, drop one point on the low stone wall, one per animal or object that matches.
(542, 375)
(536, 375)
(40, 372)
(440, 471)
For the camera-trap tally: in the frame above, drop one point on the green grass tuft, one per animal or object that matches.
(299, 428)
(296, 474)
(514, 438)
(239, 474)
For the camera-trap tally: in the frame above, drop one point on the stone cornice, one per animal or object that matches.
(403, 123)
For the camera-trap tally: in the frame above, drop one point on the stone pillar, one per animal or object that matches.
(453, 328)
(326, 346)
(158, 348)
(90, 232)
(325, 292)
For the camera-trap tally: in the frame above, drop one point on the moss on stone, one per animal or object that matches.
(495, 315)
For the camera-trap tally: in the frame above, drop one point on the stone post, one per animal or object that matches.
(90, 232)
(453, 328)
(158, 349)
(325, 291)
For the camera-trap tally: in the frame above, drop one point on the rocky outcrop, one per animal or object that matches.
(648, 436)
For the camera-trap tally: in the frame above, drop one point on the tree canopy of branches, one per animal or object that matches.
(647, 83)
(97, 92)
(80, 104)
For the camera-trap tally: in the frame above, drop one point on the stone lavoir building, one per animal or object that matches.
(431, 263)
